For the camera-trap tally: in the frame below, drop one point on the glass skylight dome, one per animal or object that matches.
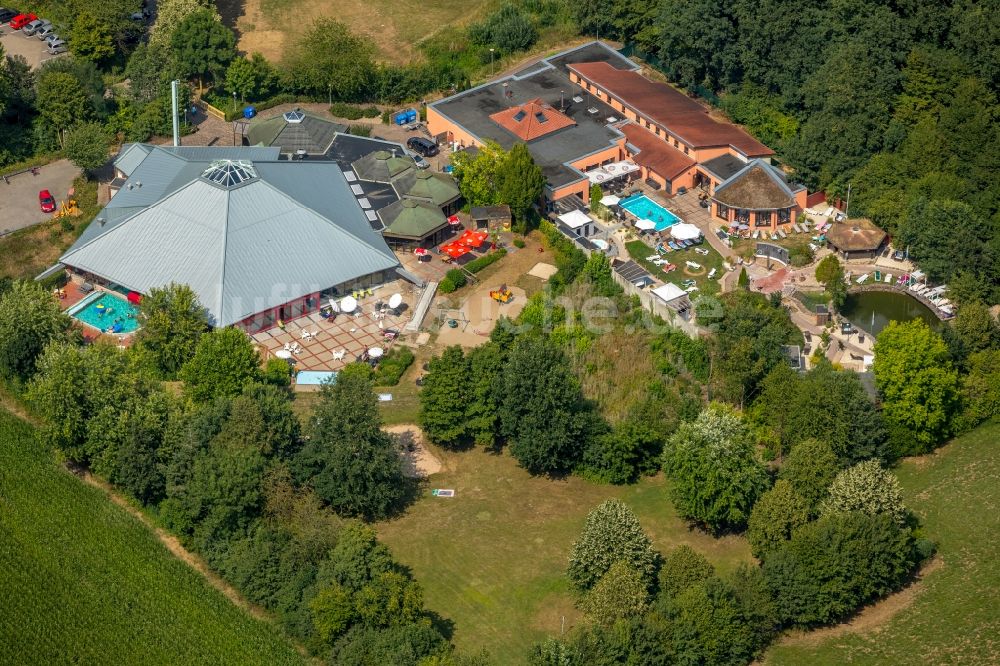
(229, 173)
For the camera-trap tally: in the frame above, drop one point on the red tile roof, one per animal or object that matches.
(655, 153)
(531, 120)
(683, 116)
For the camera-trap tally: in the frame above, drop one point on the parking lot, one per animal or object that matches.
(19, 195)
(32, 48)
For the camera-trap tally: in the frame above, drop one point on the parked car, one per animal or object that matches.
(46, 201)
(425, 147)
(51, 37)
(45, 32)
(56, 47)
(35, 26)
(22, 20)
(7, 14)
(420, 162)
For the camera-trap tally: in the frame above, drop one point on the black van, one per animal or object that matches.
(425, 147)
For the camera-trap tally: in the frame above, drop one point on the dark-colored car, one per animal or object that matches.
(425, 147)
(6, 14)
(46, 201)
(22, 20)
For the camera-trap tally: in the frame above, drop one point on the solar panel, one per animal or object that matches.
(357, 189)
(364, 202)
(349, 175)
(371, 215)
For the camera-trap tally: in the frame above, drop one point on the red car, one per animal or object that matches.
(46, 201)
(22, 20)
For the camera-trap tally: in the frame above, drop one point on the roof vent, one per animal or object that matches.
(592, 110)
(294, 117)
(229, 173)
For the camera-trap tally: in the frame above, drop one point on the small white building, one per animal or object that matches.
(579, 222)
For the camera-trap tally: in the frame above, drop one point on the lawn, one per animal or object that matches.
(493, 558)
(953, 614)
(84, 582)
(271, 26)
(639, 251)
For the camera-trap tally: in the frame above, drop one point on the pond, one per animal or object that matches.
(871, 311)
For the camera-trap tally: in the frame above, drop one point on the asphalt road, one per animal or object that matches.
(19, 196)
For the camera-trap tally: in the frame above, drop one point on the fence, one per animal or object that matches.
(213, 111)
(775, 252)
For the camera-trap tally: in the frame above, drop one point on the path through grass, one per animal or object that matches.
(493, 558)
(953, 615)
(84, 582)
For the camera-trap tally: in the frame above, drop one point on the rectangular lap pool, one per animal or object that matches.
(106, 312)
(645, 208)
(314, 377)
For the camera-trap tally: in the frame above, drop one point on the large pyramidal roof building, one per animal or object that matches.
(257, 238)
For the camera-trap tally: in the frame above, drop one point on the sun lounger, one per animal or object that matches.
(888, 278)
(781, 232)
(691, 288)
(652, 257)
(755, 235)
(711, 273)
(878, 276)
(862, 278)
(669, 268)
(693, 265)
(702, 251)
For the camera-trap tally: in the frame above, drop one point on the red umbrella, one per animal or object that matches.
(454, 250)
(134, 297)
(454, 221)
(421, 252)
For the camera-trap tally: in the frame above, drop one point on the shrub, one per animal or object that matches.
(519, 242)
(352, 112)
(457, 277)
(360, 130)
(482, 262)
(277, 371)
(446, 286)
(392, 366)
(800, 255)
(620, 593)
(682, 568)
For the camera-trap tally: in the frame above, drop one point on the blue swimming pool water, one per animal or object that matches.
(314, 377)
(646, 209)
(106, 311)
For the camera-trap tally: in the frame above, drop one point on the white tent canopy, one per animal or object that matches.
(575, 219)
(645, 225)
(669, 292)
(685, 231)
(349, 304)
(609, 200)
(611, 171)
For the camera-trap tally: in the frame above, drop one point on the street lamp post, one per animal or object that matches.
(492, 71)
(329, 94)
(234, 101)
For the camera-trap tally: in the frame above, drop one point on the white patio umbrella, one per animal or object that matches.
(395, 301)
(645, 225)
(348, 304)
(375, 352)
(685, 231)
(610, 200)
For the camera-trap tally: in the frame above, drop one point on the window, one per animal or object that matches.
(762, 218)
(742, 216)
(541, 117)
(685, 150)
(722, 211)
(519, 116)
(784, 215)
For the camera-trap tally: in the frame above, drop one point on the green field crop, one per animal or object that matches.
(84, 582)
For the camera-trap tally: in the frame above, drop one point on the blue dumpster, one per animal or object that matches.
(400, 118)
(249, 112)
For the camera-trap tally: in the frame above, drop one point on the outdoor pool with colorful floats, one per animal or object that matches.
(107, 313)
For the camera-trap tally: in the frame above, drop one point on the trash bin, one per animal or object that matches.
(249, 112)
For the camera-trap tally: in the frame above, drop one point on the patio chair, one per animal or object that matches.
(305, 335)
(339, 355)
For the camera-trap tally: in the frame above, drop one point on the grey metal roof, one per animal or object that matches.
(131, 156)
(294, 229)
(545, 80)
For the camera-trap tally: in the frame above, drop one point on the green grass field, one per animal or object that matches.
(84, 582)
(493, 558)
(952, 616)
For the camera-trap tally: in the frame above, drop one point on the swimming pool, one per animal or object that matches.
(106, 312)
(645, 208)
(314, 377)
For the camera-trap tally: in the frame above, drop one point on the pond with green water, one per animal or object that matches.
(871, 311)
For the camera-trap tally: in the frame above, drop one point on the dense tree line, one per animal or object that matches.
(271, 502)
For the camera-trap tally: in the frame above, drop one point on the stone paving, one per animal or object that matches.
(336, 341)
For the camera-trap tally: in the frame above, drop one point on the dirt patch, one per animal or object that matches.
(420, 462)
(542, 271)
(872, 618)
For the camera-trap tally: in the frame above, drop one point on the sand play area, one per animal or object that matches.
(419, 462)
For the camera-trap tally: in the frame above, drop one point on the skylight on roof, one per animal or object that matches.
(229, 173)
(541, 117)
(519, 116)
(293, 117)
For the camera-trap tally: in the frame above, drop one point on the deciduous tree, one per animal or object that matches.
(715, 474)
(683, 567)
(810, 469)
(202, 46)
(611, 534)
(172, 320)
(620, 593)
(444, 398)
(30, 318)
(869, 488)
(86, 146)
(776, 514)
(224, 362)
